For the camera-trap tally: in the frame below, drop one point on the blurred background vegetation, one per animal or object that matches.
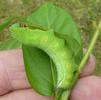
(86, 13)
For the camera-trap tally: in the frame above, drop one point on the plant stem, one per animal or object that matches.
(85, 58)
(93, 41)
(64, 95)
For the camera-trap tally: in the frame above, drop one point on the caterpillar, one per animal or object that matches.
(53, 46)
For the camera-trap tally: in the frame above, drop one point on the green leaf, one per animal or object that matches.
(38, 69)
(50, 16)
(5, 23)
(41, 73)
(10, 43)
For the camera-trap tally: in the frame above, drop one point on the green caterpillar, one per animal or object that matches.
(54, 47)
